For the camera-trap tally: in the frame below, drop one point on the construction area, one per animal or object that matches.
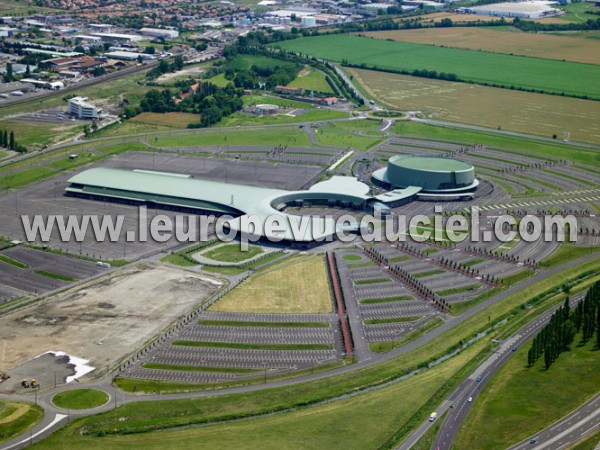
(100, 322)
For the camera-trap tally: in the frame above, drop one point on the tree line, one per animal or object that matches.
(7, 140)
(557, 336)
(210, 101)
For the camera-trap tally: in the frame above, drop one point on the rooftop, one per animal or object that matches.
(430, 163)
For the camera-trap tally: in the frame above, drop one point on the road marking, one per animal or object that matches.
(568, 430)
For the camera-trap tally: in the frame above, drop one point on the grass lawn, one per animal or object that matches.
(391, 320)
(312, 80)
(278, 137)
(360, 265)
(128, 127)
(219, 80)
(80, 399)
(578, 12)
(398, 298)
(36, 135)
(25, 177)
(474, 66)
(56, 276)
(372, 281)
(232, 253)
(588, 442)
(245, 62)
(170, 119)
(347, 140)
(536, 147)
(298, 285)
(458, 290)
(427, 273)
(8, 260)
(17, 417)
(519, 401)
(177, 260)
(312, 115)
(352, 257)
(67, 163)
(397, 259)
(566, 253)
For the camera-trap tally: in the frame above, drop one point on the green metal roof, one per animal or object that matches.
(431, 163)
(177, 190)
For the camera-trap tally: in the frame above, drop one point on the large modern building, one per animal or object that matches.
(252, 207)
(79, 107)
(432, 175)
(523, 10)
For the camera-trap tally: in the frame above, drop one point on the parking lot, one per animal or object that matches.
(46, 198)
(208, 364)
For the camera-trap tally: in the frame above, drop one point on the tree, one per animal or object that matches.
(151, 50)
(5, 139)
(27, 71)
(9, 72)
(11, 140)
(178, 62)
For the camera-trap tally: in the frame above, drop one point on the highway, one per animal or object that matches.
(566, 431)
(457, 405)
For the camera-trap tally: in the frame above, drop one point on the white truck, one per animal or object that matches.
(433, 416)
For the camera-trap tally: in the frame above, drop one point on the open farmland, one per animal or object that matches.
(486, 106)
(512, 42)
(478, 67)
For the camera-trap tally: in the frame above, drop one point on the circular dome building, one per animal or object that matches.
(430, 173)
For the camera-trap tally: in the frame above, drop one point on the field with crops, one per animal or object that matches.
(479, 67)
(486, 106)
(513, 42)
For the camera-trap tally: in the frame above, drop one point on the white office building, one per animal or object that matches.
(79, 107)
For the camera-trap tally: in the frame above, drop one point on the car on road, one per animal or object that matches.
(479, 378)
(470, 399)
(433, 416)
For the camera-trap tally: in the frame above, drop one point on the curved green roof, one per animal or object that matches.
(431, 163)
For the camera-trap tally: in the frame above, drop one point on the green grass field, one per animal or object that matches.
(312, 80)
(279, 137)
(347, 140)
(480, 67)
(17, 417)
(588, 157)
(519, 401)
(312, 115)
(80, 399)
(13, 262)
(245, 62)
(232, 253)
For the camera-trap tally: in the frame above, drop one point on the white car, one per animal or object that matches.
(470, 399)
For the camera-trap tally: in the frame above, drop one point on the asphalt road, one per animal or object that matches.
(457, 404)
(566, 431)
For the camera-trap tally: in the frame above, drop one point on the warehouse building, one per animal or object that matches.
(160, 33)
(522, 10)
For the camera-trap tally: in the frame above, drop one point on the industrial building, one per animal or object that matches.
(80, 108)
(522, 10)
(160, 33)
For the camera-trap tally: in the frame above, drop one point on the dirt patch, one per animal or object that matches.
(21, 408)
(105, 319)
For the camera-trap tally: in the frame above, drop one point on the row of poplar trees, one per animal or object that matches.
(557, 336)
